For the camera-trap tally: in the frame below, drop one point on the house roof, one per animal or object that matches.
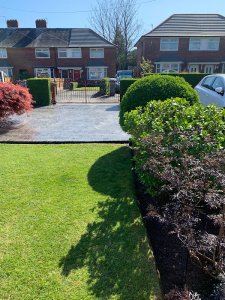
(190, 25)
(51, 37)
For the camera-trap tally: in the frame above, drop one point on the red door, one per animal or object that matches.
(76, 75)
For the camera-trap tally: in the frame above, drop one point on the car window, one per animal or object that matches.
(208, 82)
(218, 83)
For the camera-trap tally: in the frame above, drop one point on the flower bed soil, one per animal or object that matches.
(172, 259)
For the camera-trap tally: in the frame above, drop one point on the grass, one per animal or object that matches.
(69, 225)
(93, 88)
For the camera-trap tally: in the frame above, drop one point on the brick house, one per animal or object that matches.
(186, 43)
(75, 53)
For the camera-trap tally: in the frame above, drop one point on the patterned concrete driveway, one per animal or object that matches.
(69, 123)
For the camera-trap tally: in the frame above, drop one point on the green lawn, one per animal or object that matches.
(94, 89)
(69, 225)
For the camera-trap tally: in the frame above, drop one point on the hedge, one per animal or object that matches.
(40, 89)
(125, 84)
(192, 78)
(74, 86)
(156, 87)
(105, 86)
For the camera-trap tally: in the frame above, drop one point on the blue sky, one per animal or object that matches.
(151, 12)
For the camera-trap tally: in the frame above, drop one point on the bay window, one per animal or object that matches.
(42, 72)
(7, 71)
(3, 53)
(165, 67)
(97, 73)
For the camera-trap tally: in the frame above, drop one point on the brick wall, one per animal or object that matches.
(150, 49)
(24, 59)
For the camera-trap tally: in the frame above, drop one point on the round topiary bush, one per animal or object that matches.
(14, 99)
(156, 87)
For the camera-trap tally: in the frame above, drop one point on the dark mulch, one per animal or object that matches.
(172, 260)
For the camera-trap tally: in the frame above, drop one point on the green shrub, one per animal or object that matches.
(125, 84)
(192, 78)
(179, 158)
(105, 86)
(74, 86)
(156, 87)
(40, 89)
(171, 115)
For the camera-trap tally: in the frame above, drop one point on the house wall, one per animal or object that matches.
(24, 59)
(149, 48)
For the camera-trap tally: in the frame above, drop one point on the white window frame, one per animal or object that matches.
(3, 53)
(97, 54)
(38, 69)
(211, 66)
(8, 71)
(223, 68)
(160, 68)
(99, 70)
(194, 66)
(169, 44)
(70, 53)
(203, 44)
(46, 50)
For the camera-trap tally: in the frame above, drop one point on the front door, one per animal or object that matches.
(193, 68)
(209, 69)
(76, 75)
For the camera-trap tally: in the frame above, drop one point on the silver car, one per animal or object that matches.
(211, 90)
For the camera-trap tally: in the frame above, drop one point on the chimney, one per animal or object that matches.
(41, 23)
(12, 24)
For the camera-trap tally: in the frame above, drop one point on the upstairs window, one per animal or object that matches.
(69, 53)
(169, 44)
(42, 53)
(3, 53)
(96, 53)
(204, 44)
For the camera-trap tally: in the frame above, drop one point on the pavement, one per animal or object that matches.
(68, 123)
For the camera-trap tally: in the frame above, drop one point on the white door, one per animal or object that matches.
(193, 68)
(209, 69)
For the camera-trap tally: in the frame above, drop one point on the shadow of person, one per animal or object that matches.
(114, 248)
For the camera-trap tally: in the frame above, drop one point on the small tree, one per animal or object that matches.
(146, 66)
(14, 99)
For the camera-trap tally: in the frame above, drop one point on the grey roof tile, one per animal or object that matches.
(87, 38)
(190, 25)
(51, 37)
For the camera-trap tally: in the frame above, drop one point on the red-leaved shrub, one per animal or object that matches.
(14, 99)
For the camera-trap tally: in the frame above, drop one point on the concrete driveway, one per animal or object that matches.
(69, 123)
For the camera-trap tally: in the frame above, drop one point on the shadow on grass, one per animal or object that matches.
(114, 248)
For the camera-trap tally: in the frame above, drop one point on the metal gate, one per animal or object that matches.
(85, 92)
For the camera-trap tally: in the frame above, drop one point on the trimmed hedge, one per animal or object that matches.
(40, 89)
(74, 85)
(192, 78)
(105, 86)
(156, 87)
(125, 84)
